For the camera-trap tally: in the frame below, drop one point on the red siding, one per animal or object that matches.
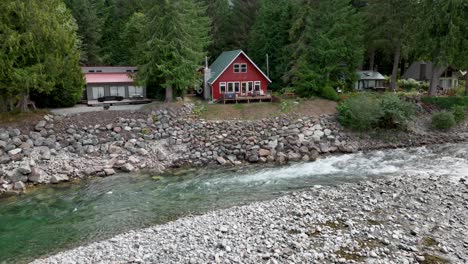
(229, 75)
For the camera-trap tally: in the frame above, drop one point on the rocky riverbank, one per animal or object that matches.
(395, 220)
(61, 148)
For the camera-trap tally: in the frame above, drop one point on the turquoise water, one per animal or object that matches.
(54, 218)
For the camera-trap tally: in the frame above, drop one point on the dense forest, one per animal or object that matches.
(314, 46)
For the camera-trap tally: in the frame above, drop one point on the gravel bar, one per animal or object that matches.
(392, 220)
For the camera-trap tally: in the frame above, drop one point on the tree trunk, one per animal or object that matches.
(169, 94)
(24, 102)
(372, 59)
(436, 72)
(466, 84)
(396, 63)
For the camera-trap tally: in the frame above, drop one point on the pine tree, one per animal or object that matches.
(442, 25)
(391, 26)
(179, 35)
(244, 14)
(222, 27)
(38, 52)
(270, 35)
(90, 17)
(134, 37)
(327, 47)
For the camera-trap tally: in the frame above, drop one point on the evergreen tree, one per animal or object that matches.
(327, 47)
(442, 35)
(244, 14)
(38, 52)
(222, 27)
(179, 35)
(270, 35)
(391, 27)
(90, 17)
(134, 37)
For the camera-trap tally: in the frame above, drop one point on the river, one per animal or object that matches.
(53, 218)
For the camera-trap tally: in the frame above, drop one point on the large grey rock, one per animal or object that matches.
(127, 167)
(15, 151)
(59, 178)
(114, 149)
(24, 168)
(293, 156)
(4, 136)
(14, 132)
(19, 186)
(221, 160)
(109, 172)
(3, 144)
(15, 176)
(40, 126)
(142, 151)
(264, 153)
(37, 175)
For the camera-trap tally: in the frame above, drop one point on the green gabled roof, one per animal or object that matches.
(222, 62)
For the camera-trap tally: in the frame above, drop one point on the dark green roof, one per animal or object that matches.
(221, 63)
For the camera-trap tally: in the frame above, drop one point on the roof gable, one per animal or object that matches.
(370, 75)
(223, 62)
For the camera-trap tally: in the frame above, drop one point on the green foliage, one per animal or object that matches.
(270, 36)
(395, 112)
(458, 113)
(443, 120)
(329, 93)
(178, 36)
(199, 109)
(327, 46)
(222, 27)
(360, 112)
(133, 37)
(446, 102)
(370, 111)
(39, 53)
(412, 85)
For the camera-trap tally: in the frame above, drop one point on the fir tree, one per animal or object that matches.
(270, 35)
(134, 37)
(327, 47)
(222, 27)
(38, 53)
(179, 35)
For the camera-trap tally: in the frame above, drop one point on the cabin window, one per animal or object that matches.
(230, 87)
(257, 86)
(244, 67)
(250, 89)
(236, 67)
(117, 91)
(98, 92)
(237, 87)
(91, 71)
(222, 87)
(98, 70)
(135, 91)
(244, 88)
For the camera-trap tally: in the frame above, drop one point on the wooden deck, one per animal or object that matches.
(123, 102)
(248, 99)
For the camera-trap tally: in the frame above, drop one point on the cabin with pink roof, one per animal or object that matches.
(111, 84)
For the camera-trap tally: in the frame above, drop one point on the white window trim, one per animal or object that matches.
(238, 85)
(233, 89)
(234, 67)
(259, 85)
(242, 64)
(248, 87)
(225, 87)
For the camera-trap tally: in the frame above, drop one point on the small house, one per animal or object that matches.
(370, 80)
(422, 71)
(111, 82)
(234, 76)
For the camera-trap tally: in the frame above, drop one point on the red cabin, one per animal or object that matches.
(235, 77)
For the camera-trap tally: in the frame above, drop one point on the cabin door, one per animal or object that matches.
(244, 89)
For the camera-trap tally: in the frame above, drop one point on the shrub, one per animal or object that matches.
(446, 102)
(411, 84)
(395, 112)
(458, 113)
(329, 93)
(443, 120)
(359, 112)
(369, 111)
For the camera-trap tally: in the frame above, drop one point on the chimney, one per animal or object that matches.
(422, 72)
(206, 86)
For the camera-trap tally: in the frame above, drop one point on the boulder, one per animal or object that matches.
(19, 186)
(3, 144)
(109, 172)
(127, 167)
(221, 160)
(264, 153)
(59, 178)
(40, 125)
(15, 176)
(24, 168)
(15, 151)
(37, 175)
(114, 149)
(142, 151)
(4, 136)
(133, 160)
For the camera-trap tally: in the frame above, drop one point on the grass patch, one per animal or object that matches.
(429, 242)
(15, 117)
(349, 255)
(433, 259)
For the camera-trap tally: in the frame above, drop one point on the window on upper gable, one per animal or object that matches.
(237, 67)
(243, 67)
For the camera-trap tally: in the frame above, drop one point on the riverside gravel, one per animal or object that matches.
(391, 220)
